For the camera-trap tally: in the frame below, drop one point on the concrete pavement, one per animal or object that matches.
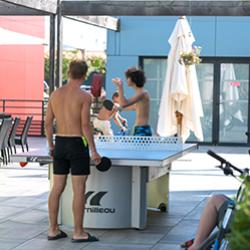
(24, 192)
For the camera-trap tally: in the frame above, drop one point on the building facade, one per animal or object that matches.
(223, 74)
(22, 66)
(22, 69)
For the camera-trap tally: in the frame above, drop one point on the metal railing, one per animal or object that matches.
(24, 108)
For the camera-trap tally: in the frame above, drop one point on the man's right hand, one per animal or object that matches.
(117, 81)
(125, 123)
(96, 157)
(124, 129)
(51, 151)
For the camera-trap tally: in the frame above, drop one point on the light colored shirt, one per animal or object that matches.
(103, 125)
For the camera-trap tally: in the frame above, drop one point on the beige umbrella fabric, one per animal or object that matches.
(181, 90)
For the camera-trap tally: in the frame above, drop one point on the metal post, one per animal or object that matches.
(4, 105)
(43, 114)
(59, 45)
(216, 105)
(52, 54)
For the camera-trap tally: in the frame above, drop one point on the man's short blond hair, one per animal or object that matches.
(77, 69)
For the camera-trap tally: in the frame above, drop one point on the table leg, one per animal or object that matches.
(138, 199)
(158, 193)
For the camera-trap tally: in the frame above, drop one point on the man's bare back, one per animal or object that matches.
(70, 108)
(67, 103)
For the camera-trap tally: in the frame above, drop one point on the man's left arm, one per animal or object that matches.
(49, 126)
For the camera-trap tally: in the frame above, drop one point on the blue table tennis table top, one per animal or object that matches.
(119, 157)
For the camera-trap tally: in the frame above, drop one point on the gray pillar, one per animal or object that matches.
(59, 45)
(52, 54)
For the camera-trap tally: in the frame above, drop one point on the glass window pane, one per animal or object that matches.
(205, 75)
(155, 70)
(233, 102)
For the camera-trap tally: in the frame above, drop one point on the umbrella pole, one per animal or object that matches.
(179, 117)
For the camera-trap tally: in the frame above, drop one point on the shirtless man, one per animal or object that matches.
(140, 103)
(69, 106)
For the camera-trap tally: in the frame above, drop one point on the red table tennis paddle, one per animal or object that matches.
(23, 164)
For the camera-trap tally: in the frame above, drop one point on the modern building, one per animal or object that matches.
(22, 68)
(24, 42)
(22, 65)
(223, 74)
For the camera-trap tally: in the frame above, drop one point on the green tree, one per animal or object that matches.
(94, 63)
(46, 69)
(97, 64)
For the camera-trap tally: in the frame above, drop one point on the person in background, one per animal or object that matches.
(140, 103)
(102, 123)
(212, 215)
(118, 119)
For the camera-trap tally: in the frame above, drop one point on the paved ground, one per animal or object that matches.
(23, 206)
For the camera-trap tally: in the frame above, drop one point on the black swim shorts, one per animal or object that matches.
(142, 130)
(71, 154)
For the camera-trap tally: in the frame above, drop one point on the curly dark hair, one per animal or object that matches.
(137, 76)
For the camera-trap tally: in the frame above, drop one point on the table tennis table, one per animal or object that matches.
(138, 179)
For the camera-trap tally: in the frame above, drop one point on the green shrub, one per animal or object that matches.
(95, 63)
(240, 234)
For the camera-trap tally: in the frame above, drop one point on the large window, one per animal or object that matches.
(205, 75)
(234, 83)
(155, 70)
(224, 90)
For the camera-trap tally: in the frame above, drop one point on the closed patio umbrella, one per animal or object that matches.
(180, 107)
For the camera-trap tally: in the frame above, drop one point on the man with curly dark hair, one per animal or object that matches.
(140, 103)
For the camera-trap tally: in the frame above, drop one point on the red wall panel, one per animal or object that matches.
(22, 66)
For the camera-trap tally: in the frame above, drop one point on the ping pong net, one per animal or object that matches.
(138, 143)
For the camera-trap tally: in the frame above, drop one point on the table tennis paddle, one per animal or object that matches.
(104, 165)
(23, 164)
(108, 105)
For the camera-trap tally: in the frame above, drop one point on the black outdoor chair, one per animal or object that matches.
(22, 139)
(6, 141)
(12, 136)
(4, 133)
